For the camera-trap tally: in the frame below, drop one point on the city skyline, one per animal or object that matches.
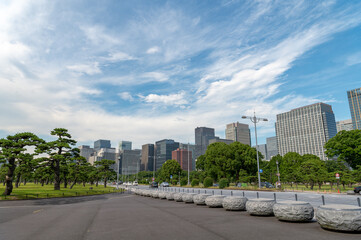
(157, 70)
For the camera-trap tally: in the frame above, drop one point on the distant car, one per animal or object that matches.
(135, 183)
(267, 185)
(164, 184)
(120, 182)
(215, 185)
(153, 185)
(357, 189)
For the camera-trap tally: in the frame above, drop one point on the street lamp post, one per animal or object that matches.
(255, 120)
(188, 162)
(278, 174)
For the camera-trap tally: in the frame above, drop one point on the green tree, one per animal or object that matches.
(13, 149)
(170, 167)
(289, 168)
(104, 169)
(78, 168)
(59, 151)
(346, 145)
(313, 170)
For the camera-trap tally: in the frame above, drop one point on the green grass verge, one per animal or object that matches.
(34, 191)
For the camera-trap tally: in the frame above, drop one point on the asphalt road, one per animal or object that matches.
(125, 216)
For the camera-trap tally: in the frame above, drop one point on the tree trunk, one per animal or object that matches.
(65, 182)
(9, 177)
(331, 184)
(105, 182)
(42, 183)
(47, 182)
(17, 180)
(57, 175)
(311, 185)
(97, 183)
(71, 187)
(83, 184)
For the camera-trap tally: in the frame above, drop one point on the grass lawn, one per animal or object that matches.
(33, 191)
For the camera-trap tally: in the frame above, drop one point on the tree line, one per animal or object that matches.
(26, 157)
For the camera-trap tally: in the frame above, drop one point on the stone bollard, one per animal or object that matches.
(170, 196)
(200, 199)
(339, 217)
(234, 203)
(293, 211)
(178, 196)
(162, 195)
(155, 194)
(260, 206)
(188, 197)
(215, 201)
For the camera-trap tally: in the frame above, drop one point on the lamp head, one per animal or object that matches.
(244, 117)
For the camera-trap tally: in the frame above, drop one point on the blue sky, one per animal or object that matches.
(147, 70)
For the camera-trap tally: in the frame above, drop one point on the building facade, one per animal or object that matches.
(192, 148)
(202, 137)
(182, 156)
(344, 125)
(305, 130)
(217, 139)
(238, 132)
(86, 151)
(147, 159)
(101, 144)
(163, 151)
(129, 161)
(125, 145)
(262, 148)
(354, 100)
(272, 148)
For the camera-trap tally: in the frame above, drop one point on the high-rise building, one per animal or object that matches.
(147, 160)
(125, 145)
(192, 148)
(163, 151)
(101, 144)
(262, 148)
(305, 130)
(272, 149)
(354, 100)
(238, 132)
(104, 153)
(202, 137)
(217, 139)
(86, 151)
(182, 156)
(129, 161)
(344, 125)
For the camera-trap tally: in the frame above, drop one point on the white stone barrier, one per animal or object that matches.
(339, 217)
(188, 197)
(214, 201)
(200, 199)
(178, 197)
(234, 203)
(162, 195)
(293, 211)
(155, 194)
(260, 206)
(170, 196)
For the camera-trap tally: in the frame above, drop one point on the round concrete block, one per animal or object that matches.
(200, 199)
(155, 194)
(260, 206)
(293, 211)
(350, 193)
(214, 201)
(188, 197)
(170, 196)
(148, 193)
(178, 197)
(339, 217)
(162, 195)
(234, 203)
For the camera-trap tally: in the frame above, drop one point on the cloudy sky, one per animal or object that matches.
(148, 70)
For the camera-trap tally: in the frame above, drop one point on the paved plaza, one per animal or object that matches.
(125, 216)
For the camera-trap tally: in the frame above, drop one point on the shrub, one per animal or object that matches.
(183, 182)
(174, 182)
(195, 182)
(223, 183)
(208, 182)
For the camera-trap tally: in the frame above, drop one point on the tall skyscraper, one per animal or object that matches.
(86, 151)
(354, 100)
(125, 145)
(163, 151)
(147, 160)
(262, 148)
(217, 139)
(182, 156)
(101, 144)
(305, 130)
(202, 137)
(272, 149)
(129, 161)
(238, 132)
(344, 125)
(192, 148)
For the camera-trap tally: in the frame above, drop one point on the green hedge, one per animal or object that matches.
(223, 183)
(208, 182)
(183, 182)
(195, 182)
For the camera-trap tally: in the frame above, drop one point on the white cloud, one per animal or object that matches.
(155, 76)
(353, 59)
(171, 99)
(119, 56)
(153, 50)
(126, 96)
(98, 35)
(90, 69)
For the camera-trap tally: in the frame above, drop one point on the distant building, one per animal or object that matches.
(192, 148)
(202, 137)
(217, 139)
(125, 145)
(344, 125)
(104, 153)
(272, 148)
(262, 148)
(305, 130)
(163, 151)
(101, 144)
(129, 161)
(147, 159)
(238, 132)
(182, 156)
(354, 100)
(86, 151)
